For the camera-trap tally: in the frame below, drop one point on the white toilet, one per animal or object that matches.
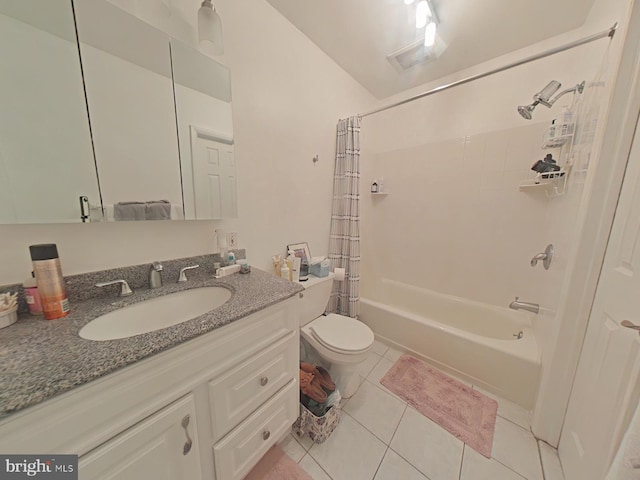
(341, 342)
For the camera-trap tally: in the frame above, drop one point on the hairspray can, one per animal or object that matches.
(46, 266)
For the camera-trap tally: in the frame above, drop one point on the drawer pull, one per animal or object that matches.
(266, 434)
(264, 381)
(188, 444)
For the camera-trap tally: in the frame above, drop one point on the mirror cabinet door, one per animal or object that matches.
(46, 158)
(202, 89)
(128, 79)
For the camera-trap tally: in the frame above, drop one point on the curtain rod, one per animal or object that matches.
(606, 33)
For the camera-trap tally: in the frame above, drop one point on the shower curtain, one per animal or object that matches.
(344, 240)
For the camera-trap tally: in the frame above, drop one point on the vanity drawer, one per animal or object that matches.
(238, 452)
(241, 390)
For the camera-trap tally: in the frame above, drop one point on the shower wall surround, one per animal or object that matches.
(454, 216)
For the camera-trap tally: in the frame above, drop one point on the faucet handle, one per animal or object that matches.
(183, 276)
(545, 257)
(125, 290)
(157, 266)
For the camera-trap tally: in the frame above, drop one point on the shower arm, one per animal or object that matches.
(578, 88)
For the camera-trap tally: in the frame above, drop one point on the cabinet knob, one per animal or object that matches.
(264, 381)
(266, 434)
(188, 444)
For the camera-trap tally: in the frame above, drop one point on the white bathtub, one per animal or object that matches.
(475, 341)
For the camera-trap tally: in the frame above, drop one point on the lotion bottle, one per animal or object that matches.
(284, 271)
(295, 266)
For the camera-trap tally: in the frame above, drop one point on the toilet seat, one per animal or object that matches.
(342, 334)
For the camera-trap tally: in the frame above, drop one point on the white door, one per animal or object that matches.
(606, 387)
(160, 447)
(214, 178)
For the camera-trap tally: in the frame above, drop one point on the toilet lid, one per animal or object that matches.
(342, 334)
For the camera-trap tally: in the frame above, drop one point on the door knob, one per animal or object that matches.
(631, 325)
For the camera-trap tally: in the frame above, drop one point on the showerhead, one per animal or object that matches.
(527, 111)
(544, 97)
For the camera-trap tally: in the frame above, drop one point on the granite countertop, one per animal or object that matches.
(40, 359)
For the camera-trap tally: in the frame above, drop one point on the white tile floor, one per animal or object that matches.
(380, 437)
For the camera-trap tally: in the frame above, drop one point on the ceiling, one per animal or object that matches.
(359, 34)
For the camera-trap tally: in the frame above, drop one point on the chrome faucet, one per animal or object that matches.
(125, 290)
(529, 307)
(155, 275)
(183, 276)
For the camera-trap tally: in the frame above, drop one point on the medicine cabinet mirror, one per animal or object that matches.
(46, 159)
(136, 123)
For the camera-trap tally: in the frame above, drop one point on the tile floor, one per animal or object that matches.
(380, 437)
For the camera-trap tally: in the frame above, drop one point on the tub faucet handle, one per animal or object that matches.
(544, 257)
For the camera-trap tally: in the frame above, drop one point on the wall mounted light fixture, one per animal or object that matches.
(210, 27)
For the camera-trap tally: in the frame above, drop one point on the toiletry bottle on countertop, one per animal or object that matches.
(48, 271)
(284, 271)
(31, 295)
(231, 258)
(294, 266)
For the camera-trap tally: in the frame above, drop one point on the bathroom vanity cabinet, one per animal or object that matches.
(207, 408)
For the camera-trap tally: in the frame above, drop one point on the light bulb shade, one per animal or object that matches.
(423, 12)
(430, 34)
(210, 28)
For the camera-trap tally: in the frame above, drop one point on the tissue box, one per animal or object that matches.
(320, 269)
(318, 428)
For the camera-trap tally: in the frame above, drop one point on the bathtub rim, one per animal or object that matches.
(528, 346)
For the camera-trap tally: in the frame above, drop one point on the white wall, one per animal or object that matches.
(287, 97)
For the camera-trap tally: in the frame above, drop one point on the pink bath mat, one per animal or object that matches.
(276, 465)
(465, 413)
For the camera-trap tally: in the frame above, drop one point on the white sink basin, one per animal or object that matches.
(155, 314)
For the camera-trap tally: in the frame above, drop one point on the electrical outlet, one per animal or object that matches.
(232, 240)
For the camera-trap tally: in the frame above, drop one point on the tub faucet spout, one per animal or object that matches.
(529, 307)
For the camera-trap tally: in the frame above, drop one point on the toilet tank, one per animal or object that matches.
(316, 296)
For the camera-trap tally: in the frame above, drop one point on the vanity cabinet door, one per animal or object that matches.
(160, 447)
